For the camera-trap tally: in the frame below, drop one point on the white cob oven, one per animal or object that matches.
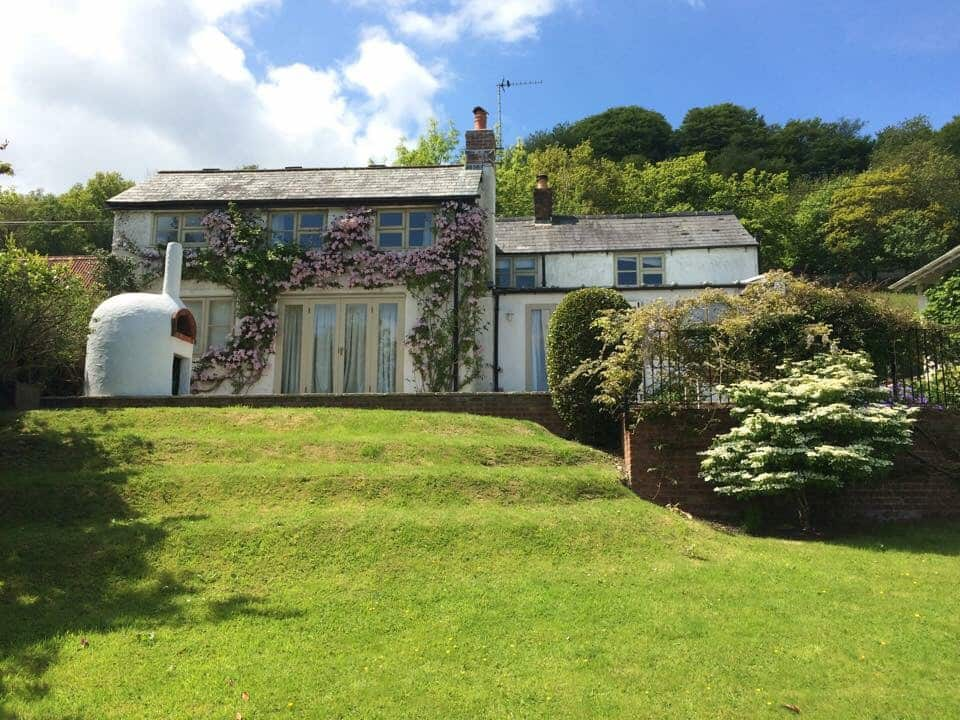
(142, 343)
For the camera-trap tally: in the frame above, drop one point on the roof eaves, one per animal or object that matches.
(933, 270)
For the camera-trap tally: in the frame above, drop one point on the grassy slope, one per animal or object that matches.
(374, 564)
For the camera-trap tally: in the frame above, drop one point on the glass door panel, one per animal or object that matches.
(324, 347)
(292, 332)
(354, 347)
(387, 347)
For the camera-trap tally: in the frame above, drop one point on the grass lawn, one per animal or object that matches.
(319, 563)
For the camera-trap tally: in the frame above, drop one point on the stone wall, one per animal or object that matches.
(662, 463)
(520, 406)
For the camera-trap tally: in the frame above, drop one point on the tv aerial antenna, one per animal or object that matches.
(502, 87)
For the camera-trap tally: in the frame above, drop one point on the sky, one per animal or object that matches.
(143, 85)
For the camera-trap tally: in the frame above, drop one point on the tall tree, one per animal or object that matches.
(619, 133)
(5, 167)
(75, 222)
(434, 147)
(735, 138)
(816, 148)
(949, 136)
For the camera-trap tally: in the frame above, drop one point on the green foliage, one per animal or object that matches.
(816, 148)
(735, 138)
(949, 136)
(45, 311)
(571, 340)
(5, 167)
(434, 147)
(621, 133)
(86, 202)
(943, 301)
(715, 338)
(820, 425)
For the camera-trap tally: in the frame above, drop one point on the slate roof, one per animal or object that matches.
(83, 266)
(298, 185)
(599, 233)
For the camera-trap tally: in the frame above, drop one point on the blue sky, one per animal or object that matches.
(139, 85)
(881, 61)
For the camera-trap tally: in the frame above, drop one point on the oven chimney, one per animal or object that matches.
(171, 270)
(481, 143)
(542, 201)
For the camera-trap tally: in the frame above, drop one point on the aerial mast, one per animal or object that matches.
(502, 87)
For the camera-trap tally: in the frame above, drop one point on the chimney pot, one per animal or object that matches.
(479, 118)
(542, 201)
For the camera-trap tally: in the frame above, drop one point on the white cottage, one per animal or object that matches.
(352, 340)
(142, 343)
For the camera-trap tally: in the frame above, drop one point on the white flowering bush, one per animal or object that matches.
(823, 424)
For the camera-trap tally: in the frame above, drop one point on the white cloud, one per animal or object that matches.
(139, 85)
(506, 21)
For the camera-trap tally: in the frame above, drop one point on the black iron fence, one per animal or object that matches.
(921, 366)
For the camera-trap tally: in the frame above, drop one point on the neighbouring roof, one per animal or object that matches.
(930, 273)
(83, 266)
(599, 233)
(320, 185)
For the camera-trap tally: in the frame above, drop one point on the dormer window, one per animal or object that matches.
(304, 228)
(404, 229)
(517, 272)
(184, 228)
(635, 270)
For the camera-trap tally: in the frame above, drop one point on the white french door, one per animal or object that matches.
(340, 345)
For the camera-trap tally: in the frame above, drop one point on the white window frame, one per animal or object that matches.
(373, 302)
(528, 339)
(181, 229)
(639, 257)
(526, 273)
(404, 228)
(298, 214)
(202, 343)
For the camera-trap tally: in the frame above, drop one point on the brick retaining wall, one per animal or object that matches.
(519, 406)
(662, 464)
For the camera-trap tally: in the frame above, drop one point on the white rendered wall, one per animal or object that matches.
(514, 334)
(690, 266)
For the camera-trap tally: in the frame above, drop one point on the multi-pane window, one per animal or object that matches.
(639, 270)
(398, 229)
(303, 227)
(517, 272)
(215, 321)
(183, 228)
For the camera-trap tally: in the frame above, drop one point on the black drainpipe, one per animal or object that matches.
(496, 340)
(456, 322)
(543, 270)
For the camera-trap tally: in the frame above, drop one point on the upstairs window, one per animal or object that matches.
(400, 229)
(304, 227)
(184, 228)
(636, 270)
(517, 272)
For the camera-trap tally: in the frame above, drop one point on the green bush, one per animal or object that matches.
(717, 338)
(45, 313)
(821, 425)
(573, 344)
(943, 301)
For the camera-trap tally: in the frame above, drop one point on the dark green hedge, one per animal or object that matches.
(571, 340)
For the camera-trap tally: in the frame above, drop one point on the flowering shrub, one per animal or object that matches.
(822, 424)
(240, 256)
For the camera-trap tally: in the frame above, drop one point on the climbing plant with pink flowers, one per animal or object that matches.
(241, 256)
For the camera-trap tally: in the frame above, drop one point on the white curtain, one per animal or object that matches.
(387, 349)
(290, 372)
(355, 343)
(324, 337)
(538, 349)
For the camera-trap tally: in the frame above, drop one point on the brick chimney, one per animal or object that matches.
(542, 201)
(481, 143)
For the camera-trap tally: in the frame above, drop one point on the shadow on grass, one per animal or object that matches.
(934, 537)
(72, 551)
